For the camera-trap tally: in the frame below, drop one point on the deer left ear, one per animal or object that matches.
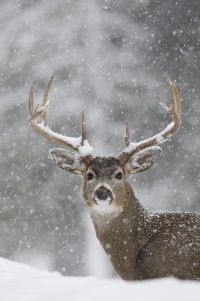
(143, 160)
(68, 159)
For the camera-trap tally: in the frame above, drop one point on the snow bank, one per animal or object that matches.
(22, 283)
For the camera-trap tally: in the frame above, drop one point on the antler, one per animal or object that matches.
(175, 112)
(38, 122)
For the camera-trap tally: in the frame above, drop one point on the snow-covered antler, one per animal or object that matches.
(38, 122)
(175, 112)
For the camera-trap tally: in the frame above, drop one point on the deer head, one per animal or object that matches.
(105, 179)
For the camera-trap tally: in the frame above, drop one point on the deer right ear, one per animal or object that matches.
(143, 160)
(68, 159)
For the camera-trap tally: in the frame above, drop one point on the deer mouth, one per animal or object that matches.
(104, 203)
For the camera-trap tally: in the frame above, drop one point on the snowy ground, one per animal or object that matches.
(22, 283)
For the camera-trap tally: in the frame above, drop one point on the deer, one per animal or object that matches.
(140, 243)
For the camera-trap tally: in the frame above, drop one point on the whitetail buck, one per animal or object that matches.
(140, 243)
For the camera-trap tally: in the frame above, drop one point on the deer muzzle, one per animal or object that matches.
(103, 194)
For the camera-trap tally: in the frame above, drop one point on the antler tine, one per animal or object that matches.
(46, 91)
(127, 135)
(45, 98)
(175, 108)
(31, 107)
(175, 112)
(39, 113)
(176, 98)
(84, 131)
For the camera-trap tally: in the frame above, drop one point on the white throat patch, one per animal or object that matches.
(102, 215)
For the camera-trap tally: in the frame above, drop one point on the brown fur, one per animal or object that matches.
(142, 244)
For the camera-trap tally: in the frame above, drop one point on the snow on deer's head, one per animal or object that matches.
(105, 178)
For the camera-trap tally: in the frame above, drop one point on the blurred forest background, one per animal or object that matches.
(110, 58)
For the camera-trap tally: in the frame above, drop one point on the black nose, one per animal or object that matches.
(102, 193)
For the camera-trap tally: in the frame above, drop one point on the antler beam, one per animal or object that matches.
(175, 112)
(38, 122)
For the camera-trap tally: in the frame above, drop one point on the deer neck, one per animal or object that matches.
(120, 234)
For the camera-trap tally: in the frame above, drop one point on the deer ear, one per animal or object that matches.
(143, 160)
(68, 159)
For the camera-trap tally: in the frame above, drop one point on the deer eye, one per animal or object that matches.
(119, 175)
(90, 176)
